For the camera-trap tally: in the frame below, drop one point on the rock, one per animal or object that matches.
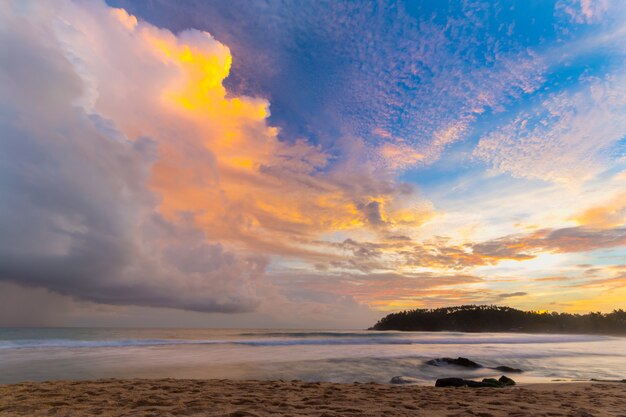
(472, 384)
(403, 380)
(485, 383)
(464, 362)
(505, 368)
(459, 382)
(451, 382)
(505, 380)
(492, 382)
(467, 363)
(480, 384)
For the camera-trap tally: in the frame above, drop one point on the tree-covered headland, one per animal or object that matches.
(490, 318)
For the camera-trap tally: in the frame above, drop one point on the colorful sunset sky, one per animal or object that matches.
(309, 164)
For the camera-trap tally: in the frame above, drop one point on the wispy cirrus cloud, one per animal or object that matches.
(573, 132)
(584, 11)
(568, 138)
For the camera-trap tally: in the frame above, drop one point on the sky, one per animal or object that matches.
(308, 164)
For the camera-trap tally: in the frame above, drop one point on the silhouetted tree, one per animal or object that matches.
(491, 318)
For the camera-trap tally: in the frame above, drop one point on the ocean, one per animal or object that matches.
(40, 354)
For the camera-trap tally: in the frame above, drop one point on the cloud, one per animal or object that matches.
(440, 254)
(568, 138)
(528, 246)
(571, 132)
(583, 11)
(399, 155)
(408, 81)
(142, 166)
(512, 294)
(378, 290)
(608, 283)
(132, 176)
(77, 216)
(610, 214)
(424, 81)
(578, 239)
(443, 254)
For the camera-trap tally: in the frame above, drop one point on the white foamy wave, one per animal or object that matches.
(335, 339)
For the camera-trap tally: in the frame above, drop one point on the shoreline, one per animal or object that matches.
(224, 397)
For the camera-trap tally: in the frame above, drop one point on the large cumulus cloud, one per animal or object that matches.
(76, 213)
(130, 175)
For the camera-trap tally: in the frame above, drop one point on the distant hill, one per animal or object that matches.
(489, 318)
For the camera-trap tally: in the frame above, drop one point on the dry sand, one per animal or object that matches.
(175, 397)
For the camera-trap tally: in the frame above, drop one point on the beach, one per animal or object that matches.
(187, 397)
(243, 372)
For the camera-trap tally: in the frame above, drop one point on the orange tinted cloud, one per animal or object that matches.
(610, 214)
(220, 162)
(160, 188)
(443, 254)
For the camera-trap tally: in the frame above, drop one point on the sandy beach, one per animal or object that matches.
(175, 397)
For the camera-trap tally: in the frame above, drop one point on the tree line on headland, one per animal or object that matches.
(491, 318)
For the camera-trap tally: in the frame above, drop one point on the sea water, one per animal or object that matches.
(38, 354)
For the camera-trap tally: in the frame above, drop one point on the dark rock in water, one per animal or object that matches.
(492, 382)
(485, 383)
(459, 382)
(476, 384)
(467, 363)
(504, 368)
(403, 380)
(451, 382)
(505, 380)
(464, 362)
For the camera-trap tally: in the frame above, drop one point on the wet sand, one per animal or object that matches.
(179, 397)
